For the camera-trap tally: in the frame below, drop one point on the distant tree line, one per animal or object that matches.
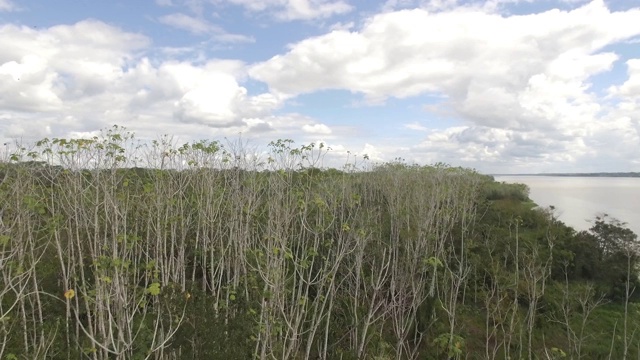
(595, 174)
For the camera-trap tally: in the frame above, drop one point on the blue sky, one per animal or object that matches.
(502, 86)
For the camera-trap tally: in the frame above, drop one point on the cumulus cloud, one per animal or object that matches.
(411, 52)
(90, 75)
(509, 91)
(289, 126)
(373, 153)
(212, 96)
(522, 80)
(631, 87)
(42, 69)
(27, 85)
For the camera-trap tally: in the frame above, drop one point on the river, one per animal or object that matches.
(579, 199)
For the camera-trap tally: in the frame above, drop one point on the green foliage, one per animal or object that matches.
(207, 253)
(502, 191)
(451, 345)
(153, 289)
(557, 353)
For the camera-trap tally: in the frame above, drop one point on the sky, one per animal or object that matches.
(500, 86)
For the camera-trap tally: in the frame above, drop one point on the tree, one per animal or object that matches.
(620, 248)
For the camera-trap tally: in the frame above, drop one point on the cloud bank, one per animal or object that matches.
(520, 86)
(496, 91)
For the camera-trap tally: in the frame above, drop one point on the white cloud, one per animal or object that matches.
(90, 75)
(27, 85)
(373, 153)
(616, 136)
(200, 26)
(188, 23)
(526, 78)
(212, 96)
(343, 26)
(416, 126)
(446, 5)
(319, 129)
(41, 69)
(412, 52)
(7, 5)
(517, 90)
(288, 10)
(289, 125)
(211, 102)
(631, 87)
(310, 9)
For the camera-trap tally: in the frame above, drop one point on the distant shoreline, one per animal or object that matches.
(599, 174)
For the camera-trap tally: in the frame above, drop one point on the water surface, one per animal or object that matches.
(579, 199)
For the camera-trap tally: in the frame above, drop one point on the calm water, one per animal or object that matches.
(579, 199)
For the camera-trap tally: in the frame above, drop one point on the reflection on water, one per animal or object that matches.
(579, 199)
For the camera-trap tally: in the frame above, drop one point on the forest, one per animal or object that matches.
(111, 248)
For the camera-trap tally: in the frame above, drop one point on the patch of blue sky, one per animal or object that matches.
(269, 40)
(529, 7)
(601, 82)
(264, 38)
(620, 5)
(254, 87)
(268, 36)
(537, 6)
(341, 107)
(35, 13)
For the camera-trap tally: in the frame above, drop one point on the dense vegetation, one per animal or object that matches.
(111, 250)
